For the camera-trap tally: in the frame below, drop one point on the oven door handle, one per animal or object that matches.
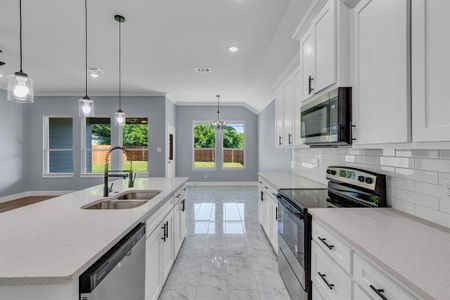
(286, 205)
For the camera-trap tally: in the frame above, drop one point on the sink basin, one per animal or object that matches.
(138, 195)
(125, 200)
(116, 204)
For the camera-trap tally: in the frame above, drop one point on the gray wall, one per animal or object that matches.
(185, 115)
(151, 107)
(270, 158)
(12, 129)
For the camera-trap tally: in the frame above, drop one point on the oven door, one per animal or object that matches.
(293, 244)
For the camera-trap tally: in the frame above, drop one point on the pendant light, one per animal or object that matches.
(20, 86)
(120, 115)
(85, 104)
(218, 124)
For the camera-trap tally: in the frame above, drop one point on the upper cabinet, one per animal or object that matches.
(381, 74)
(289, 103)
(430, 70)
(324, 37)
(279, 119)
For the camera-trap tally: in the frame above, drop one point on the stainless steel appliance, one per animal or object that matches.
(120, 273)
(347, 187)
(326, 121)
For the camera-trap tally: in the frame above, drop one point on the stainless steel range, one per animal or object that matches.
(347, 187)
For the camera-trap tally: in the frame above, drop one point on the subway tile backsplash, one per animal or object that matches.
(418, 181)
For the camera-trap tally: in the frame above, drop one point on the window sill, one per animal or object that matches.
(203, 169)
(91, 175)
(234, 169)
(57, 175)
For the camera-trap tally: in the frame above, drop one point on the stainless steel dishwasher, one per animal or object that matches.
(120, 273)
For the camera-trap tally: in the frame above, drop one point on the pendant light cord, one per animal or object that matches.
(120, 66)
(218, 110)
(20, 18)
(86, 49)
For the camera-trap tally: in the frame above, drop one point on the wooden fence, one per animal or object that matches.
(229, 155)
(136, 153)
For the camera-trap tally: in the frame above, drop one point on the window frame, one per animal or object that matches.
(83, 146)
(120, 143)
(234, 169)
(46, 148)
(194, 168)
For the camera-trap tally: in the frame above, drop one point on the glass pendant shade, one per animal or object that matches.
(218, 124)
(120, 118)
(86, 107)
(20, 88)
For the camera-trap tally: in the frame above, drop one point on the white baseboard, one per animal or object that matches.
(222, 183)
(32, 193)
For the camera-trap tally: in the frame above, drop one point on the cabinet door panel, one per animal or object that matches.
(381, 97)
(307, 63)
(288, 91)
(153, 270)
(177, 227)
(430, 75)
(183, 225)
(167, 247)
(279, 119)
(325, 47)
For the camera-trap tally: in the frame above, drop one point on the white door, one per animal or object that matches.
(430, 70)
(279, 119)
(289, 112)
(167, 245)
(380, 97)
(171, 151)
(153, 281)
(307, 63)
(325, 47)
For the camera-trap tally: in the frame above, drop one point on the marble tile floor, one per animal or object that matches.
(225, 254)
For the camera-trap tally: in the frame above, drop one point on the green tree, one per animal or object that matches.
(204, 136)
(135, 135)
(232, 138)
(102, 133)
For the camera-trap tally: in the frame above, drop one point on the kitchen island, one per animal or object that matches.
(45, 247)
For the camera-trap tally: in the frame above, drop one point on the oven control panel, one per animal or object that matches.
(352, 176)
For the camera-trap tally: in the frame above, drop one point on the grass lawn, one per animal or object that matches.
(211, 164)
(138, 166)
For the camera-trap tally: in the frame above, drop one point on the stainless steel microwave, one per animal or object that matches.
(327, 120)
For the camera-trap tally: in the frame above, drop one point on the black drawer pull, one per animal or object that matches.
(330, 285)
(324, 241)
(276, 213)
(379, 292)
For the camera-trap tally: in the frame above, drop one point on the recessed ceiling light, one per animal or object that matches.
(93, 75)
(1, 75)
(95, 72)
(233, 49)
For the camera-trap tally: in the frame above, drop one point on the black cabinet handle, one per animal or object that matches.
(262, 196)
(324, 241)
(167, 229)
(379, 292)
(290, 138)
(164, 232)
(310, 80)
(351, 131)
(330, 285)
(183, 205)
(276, 213)
(279, 140)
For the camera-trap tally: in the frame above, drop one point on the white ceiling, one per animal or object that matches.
(163, 41)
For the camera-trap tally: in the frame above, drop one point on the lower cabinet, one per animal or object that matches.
(268, 213)
(340, 272)
(166, 230)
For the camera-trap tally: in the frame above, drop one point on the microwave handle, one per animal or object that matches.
(352, 127)
(310, 80)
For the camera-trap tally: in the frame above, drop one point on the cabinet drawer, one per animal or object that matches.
(332, 245)
(329, 279)
(178, 196)
(376, 284)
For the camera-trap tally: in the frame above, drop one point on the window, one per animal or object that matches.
(58, 145)
(233, 145)
(204, 146)
(135, 140)
(97, 139)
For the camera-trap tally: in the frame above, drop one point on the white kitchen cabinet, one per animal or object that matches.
(307, 63)
(430, 65)
(183, 225)
(260, 206)
(153, 269)
(289, 103)
(167, 254)
(324, 26)
(274, 223)
(381, 99)
(279, 119)
(268, 212)
(179, 221)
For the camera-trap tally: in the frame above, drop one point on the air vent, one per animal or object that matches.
(95, 70)
(203, 70)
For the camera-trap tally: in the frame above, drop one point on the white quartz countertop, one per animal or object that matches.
(54, 241)
(284, 180)
(414, 252)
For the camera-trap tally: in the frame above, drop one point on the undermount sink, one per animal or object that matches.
(125, 200)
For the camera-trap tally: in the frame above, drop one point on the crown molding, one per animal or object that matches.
(312, 11)
(250, 108)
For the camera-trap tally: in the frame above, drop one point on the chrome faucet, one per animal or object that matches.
(131, 176)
